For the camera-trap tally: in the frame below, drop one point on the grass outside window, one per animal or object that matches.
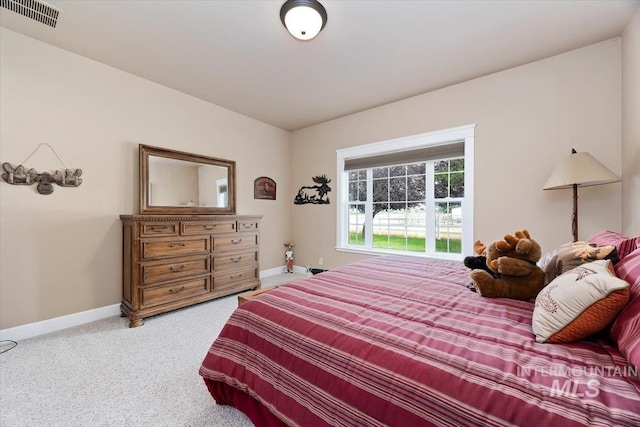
(409, 244)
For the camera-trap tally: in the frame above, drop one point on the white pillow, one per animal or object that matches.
(579, 303)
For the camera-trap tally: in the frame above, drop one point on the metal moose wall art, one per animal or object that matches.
(316, 194)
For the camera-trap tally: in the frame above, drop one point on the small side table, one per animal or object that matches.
(242, 298)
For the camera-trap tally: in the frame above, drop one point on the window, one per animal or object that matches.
(412, 195)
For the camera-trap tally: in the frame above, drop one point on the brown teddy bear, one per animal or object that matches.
(514, 260)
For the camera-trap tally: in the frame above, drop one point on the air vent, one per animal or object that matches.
(36, 10)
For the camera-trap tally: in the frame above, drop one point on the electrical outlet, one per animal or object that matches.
(320, 261)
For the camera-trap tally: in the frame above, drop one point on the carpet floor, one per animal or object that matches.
(105, 374)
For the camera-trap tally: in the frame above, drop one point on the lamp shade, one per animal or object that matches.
(303, 18)
(581, 169)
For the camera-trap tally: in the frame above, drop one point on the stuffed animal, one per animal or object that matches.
(479, 262)
(514, 259)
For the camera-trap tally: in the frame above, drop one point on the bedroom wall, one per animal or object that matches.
(527, 118)
(61, 253)
(631, 128)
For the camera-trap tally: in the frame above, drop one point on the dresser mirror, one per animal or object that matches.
(175, 182)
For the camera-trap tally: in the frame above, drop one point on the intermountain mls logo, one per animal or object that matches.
(580, 381)
(575, 388)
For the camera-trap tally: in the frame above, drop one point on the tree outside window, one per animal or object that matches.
(400, 205)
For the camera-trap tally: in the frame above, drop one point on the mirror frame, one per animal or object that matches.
(146, 150)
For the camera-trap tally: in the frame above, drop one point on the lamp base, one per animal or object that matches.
(574, 219)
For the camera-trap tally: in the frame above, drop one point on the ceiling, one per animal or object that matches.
(237, 54)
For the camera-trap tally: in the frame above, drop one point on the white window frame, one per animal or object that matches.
(462, 133)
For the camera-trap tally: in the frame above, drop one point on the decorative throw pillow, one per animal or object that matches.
(577, 253)
(579, 303)
(625, 330)
(546, 258)
(624, 245)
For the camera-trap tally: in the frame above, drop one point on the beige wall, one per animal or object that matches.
(61, 253)
(631, 128)
(527, 118)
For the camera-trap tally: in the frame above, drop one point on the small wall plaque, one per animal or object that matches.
(264, 188)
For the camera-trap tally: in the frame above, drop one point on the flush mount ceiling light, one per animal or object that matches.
(303, 18)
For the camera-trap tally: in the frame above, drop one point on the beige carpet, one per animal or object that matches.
(105, 374)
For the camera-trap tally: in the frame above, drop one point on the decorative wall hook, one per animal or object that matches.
(68, 177)
(20, 175)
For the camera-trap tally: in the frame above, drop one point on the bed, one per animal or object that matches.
(402, 341)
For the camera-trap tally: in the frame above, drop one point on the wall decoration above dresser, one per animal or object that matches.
(187, 245)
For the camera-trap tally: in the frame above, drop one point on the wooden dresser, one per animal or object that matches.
(173, 261)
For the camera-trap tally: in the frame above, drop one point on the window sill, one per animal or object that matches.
(366, 251)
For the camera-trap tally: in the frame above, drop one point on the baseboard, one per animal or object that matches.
(280, 270)
(63, 322)
(271, 272)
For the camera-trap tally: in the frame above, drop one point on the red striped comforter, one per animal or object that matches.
(401, 341)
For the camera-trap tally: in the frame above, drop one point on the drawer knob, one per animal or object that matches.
(234, 277)
(177, 269)
(235, 242)
(175, 245)
(209, 227)
(158, 229)
(236, 259)
(247, 225)
(173, 292)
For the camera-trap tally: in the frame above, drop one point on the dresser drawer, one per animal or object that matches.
(162, 271)
(162, 248)
(247, 225)
(234, 260)
(165, 229)
(231, 242)
(188, 228)
(158, 295)
(232, 278)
